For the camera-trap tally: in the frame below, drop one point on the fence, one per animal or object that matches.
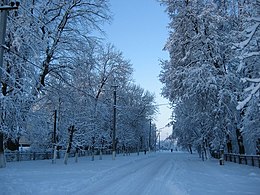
(253, 160)
(27, 155)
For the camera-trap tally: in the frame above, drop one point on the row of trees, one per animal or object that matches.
(55, 60)
(213, 76)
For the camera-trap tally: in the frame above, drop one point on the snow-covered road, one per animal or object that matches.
(153, 174)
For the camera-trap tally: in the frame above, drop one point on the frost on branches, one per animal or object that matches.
(201, 77)
(55, 60)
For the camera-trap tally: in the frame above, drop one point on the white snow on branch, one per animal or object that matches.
(253, 89)
(249, 32)
(256, 19)
(256, 80)
(249, 54)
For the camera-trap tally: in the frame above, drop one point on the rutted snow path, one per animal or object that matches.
(153, 174)
(146, 176)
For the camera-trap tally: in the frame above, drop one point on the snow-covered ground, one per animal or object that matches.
(154, 174)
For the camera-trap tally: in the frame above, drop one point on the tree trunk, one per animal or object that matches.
(54, 155)
(100, 154)
(241, 147)
(66, 158)
(190, 148)
(92, 153)
(71, 131)
(229, 144)
(76, 155)
(2, 155)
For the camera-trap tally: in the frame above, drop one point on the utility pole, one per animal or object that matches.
(3, 22)
(157, 137)
(54, 138)
(114, 125)
(159, 141)
(4, 8)
(150, 131)
(54, 127)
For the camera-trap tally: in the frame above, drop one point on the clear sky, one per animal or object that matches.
(139, 30)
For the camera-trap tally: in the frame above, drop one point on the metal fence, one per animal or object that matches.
(253, 160)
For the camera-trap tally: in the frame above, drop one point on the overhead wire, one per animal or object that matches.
(30, 62)
(34, 16)
(10, 18)
(57, 76)
(73, 86)
(39, 67)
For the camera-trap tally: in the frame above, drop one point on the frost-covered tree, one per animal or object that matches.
(248, 48)
(248, 56)
(42, 39)
(82, 96)
(136, 107)
(108, 68)
(197, 73)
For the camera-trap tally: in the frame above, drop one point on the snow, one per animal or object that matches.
(249, 32)
(249, 55)
(156, 173)
(257, 19)
(256, 80)
(253, 89)
(242, 104)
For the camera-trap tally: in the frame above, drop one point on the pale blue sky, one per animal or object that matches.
(139, 30)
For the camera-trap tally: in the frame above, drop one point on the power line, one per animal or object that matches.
(10, 18)
(34, 16)
(30, 62)
(57, 76)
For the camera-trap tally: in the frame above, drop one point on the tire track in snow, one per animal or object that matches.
(152, 175)
(111, 180)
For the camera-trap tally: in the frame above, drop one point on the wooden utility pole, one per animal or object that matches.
(54, 127)
(4, 8)
(54, 138)
(150, 131)
(159, 140)
(114, 126)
